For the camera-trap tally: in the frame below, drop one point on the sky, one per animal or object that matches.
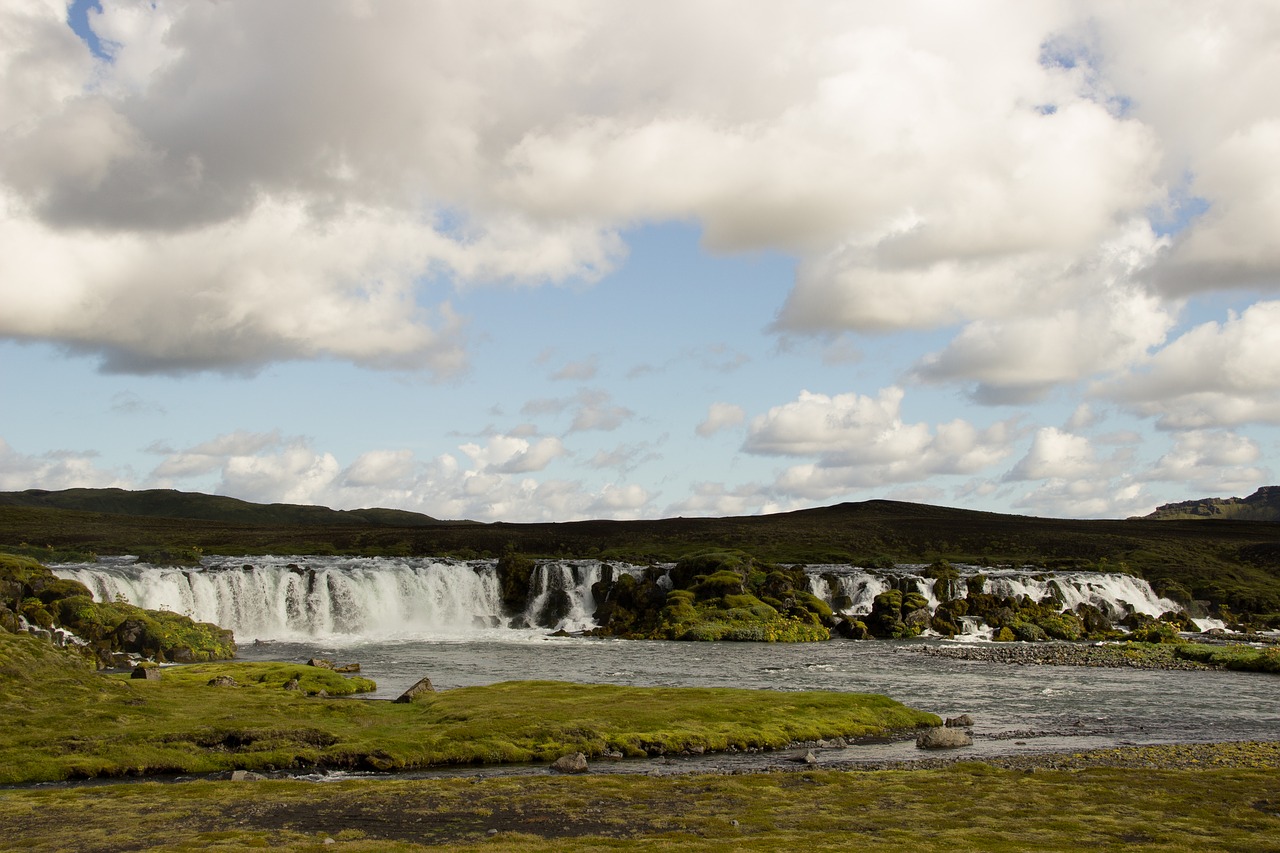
(547, 261)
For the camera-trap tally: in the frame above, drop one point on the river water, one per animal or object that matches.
(405, 619)
(1016, 709)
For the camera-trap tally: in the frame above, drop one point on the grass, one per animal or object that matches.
(1238, 657)
(963, 807)
(64, 721)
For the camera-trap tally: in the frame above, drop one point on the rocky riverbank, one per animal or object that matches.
(1251, 755)
(1131, 655)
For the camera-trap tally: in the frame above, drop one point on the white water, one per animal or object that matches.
(297, 598)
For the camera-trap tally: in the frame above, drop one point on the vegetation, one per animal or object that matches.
(713, 596)
(1238, 657)
(65, 721)
(30, 590)
(1228, 563)
(967, 806)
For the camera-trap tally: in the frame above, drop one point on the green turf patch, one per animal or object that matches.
(64, 721)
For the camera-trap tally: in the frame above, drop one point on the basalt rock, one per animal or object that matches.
(943, 738)
(575, 762)
(422, 687)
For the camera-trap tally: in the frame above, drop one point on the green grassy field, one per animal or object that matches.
(965, 807)
(65, 721)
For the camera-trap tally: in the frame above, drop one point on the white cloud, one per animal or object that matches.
(1086, 499)
(61, 469)
(381, 468)
(1216, 374)
(718, 500)
(506, 454)
(578, 370)
(1059, 455)
(861, 442)
(1217, 462)
(721, 416)
(305, 168)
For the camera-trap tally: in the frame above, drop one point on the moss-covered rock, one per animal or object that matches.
(713, 596)
(107, 627)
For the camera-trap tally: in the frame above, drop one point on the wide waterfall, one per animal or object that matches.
(280, 598)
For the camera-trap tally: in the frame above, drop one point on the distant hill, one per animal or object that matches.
(168, 503)
(1262, 505)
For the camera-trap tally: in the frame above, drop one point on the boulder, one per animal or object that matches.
(943, 738)
(292, 684)
(808, 758)
(150, 673)
(350, 667)
(422, 686)
(245, 776)
(222, 681)
(962, 721)
(323, 663)
(574, 762)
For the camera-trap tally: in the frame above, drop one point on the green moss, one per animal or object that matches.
(1238, 657)
(65, 721)
(107, 627)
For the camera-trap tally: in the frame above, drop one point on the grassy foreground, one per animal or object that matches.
(963, 807)
(64, 721)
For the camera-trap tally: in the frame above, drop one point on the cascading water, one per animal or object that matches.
(280, 597)
(306, 597)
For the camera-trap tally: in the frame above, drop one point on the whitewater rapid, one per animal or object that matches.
(379, 598)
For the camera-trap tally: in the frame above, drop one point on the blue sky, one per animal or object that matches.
(545, 262)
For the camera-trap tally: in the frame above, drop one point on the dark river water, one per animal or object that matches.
(1016, 709)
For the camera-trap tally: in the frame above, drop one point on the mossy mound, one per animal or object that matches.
(30, 590)
(63, 720)
(1238, 657)
(713, 596)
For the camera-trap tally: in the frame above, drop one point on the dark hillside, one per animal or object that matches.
(1235, 563)
(168, 503)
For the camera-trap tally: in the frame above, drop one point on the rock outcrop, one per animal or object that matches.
(943, 738)
(421, 687)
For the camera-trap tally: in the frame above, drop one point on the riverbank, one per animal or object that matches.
(1130, 655)
(1170, 798)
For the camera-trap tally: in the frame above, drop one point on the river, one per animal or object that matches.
(402, 620)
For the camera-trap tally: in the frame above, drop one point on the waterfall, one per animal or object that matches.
(294, 598)
(381, 598)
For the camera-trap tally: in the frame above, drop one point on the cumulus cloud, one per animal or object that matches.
(1215, 462)
(493, 481)
(243, 183)
(1059, 455)
(60, 469)
(1216, 374)
(861, 442)
(721, 416)
(719, 500)
(580, 371)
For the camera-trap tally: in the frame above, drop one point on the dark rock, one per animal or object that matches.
(150, 673)
(422, 686)
(943, 738)
(323, 663)
(964, 720)
(574, 762)
(181, 654)
(222, 681)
